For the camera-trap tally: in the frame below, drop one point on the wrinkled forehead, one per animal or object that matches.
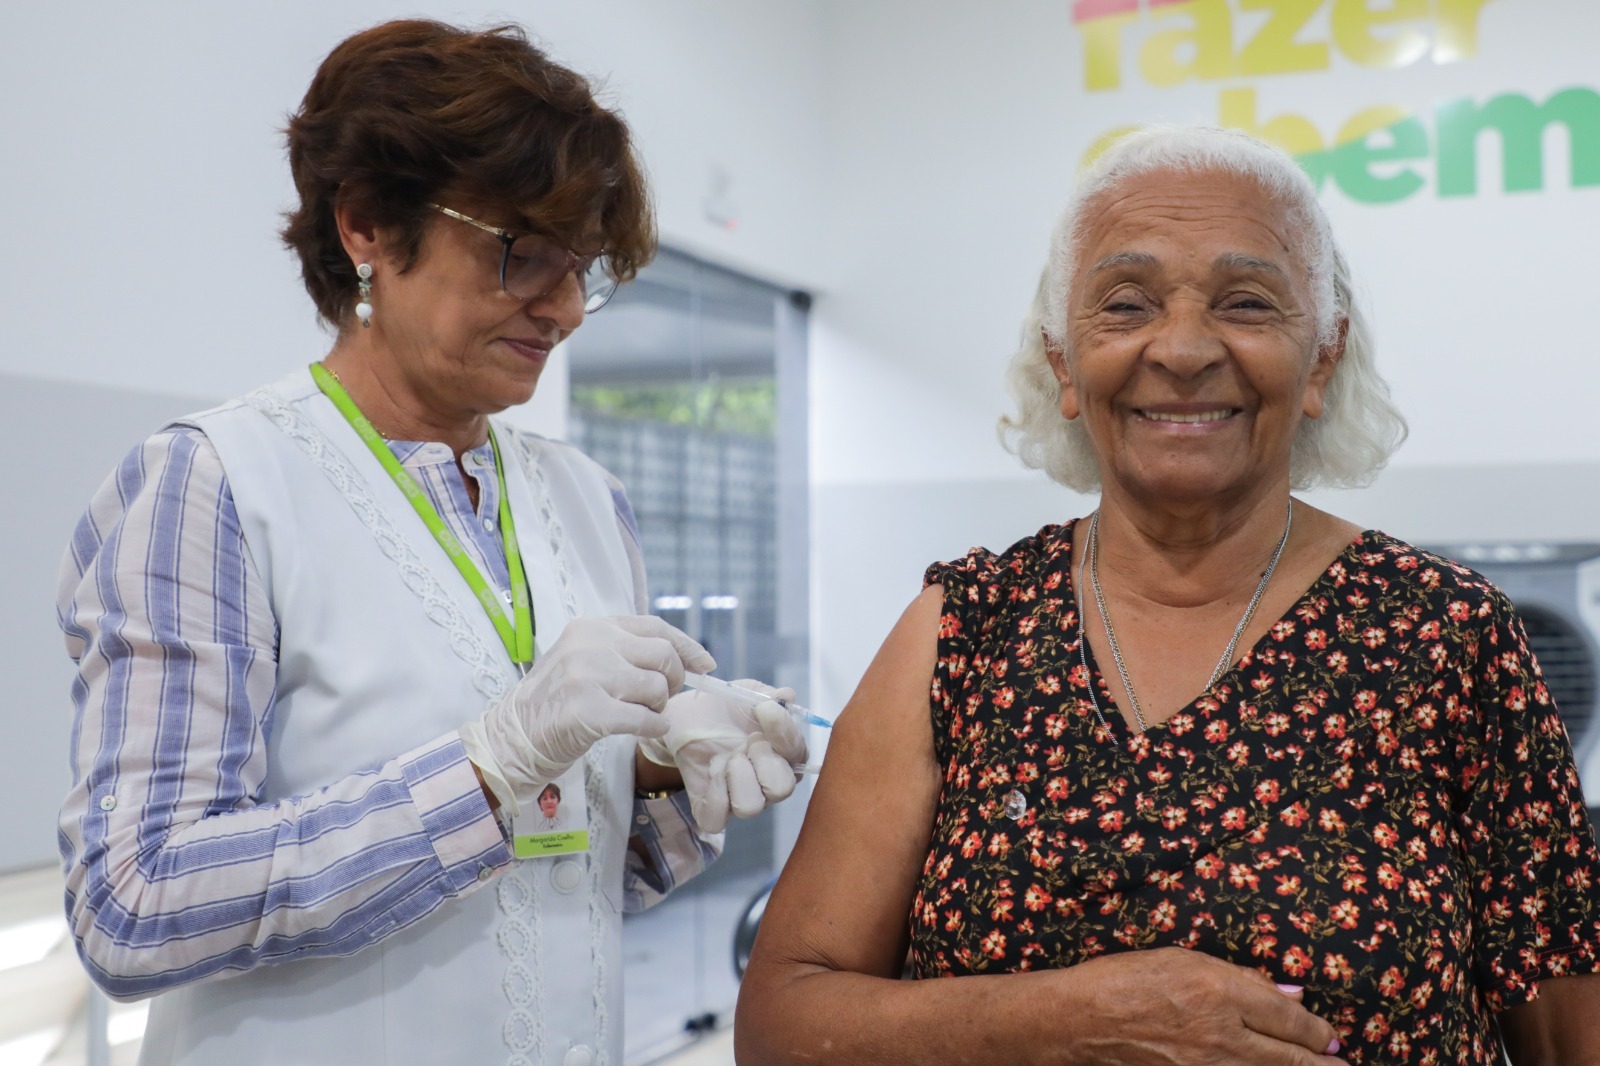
(1175, 217)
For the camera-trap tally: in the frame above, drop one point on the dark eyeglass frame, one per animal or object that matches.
(576, 265)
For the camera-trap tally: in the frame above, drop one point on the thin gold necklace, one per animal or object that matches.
(1092, 550)
(334, 374)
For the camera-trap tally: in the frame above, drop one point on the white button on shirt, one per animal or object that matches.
(566, 875)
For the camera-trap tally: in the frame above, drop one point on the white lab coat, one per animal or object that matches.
(383, 648)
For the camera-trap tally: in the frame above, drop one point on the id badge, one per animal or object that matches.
(558, 823)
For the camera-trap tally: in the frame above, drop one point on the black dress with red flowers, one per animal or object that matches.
(1378, 801)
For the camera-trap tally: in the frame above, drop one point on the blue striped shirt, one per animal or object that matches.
(176, 868)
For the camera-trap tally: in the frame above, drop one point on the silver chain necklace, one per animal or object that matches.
(1092, 550)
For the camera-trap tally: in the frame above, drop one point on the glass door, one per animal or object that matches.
(690, 387)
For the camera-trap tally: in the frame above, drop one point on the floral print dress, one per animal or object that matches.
(1378, 801)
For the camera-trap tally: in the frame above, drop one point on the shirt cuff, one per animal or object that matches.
(667, 832)
(1522, 986)
(455, 813)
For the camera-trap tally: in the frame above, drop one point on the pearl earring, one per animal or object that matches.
(364, 284)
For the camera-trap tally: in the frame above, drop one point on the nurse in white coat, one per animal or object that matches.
(336, 636)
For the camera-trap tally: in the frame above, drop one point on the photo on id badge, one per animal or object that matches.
(558, 823)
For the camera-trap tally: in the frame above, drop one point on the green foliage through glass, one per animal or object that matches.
(723, 406)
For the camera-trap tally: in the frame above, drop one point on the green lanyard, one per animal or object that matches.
(518, 640)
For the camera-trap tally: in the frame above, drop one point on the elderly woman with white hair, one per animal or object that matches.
(1210, 776)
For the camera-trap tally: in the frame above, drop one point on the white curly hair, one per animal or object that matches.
(1360, 427)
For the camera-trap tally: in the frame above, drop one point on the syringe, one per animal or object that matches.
(752, 699)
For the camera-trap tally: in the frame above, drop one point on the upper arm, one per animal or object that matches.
(169, 623)
(844, 896)
(1561, 1026)
(1531, 851)
(175, 869)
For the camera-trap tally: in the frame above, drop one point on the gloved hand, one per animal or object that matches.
(602, 676)
(732, 756)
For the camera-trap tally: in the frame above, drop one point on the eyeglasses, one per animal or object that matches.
(532, 266)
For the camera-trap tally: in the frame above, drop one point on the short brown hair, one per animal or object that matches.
(414, 111)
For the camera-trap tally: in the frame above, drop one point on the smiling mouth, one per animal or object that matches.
(1189, 416)
(530, 347)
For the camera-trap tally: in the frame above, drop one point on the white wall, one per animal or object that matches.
(146, 175)
(957, 130)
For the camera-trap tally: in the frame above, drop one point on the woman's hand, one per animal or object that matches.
(602, 677)
(1173, 1007)
(735, 758)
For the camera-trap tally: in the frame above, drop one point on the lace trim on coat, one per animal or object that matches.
(490, 675)
(528, 449)
(518, 894)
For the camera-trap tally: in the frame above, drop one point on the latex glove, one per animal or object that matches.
(603, 676)
(733, 757)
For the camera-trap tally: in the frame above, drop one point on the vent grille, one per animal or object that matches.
(1567, 660)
